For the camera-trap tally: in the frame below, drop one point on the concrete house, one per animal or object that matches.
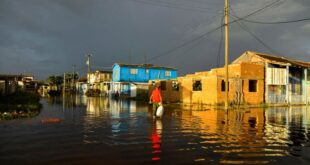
(286, 80)
(254, 78)
(246, 85)
(81, 85)
(131, 80)
(13, 83)
(99, 80)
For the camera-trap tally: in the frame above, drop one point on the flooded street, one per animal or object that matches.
(98, 130)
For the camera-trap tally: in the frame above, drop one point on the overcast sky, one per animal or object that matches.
(44, 37)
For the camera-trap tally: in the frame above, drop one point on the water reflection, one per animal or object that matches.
(125, 131)
(156, 139)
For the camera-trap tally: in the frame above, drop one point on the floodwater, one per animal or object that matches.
(103, 131)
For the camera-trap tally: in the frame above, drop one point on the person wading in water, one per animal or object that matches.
(156, 99)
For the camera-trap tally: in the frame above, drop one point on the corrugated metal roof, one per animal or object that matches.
(145, 66)
(282, 59)
(103, 71)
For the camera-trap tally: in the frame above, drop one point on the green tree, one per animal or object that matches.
(56, 80)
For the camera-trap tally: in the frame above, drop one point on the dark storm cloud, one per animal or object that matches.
(45, 37)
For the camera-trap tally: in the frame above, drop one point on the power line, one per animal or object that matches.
(262, 9)
(180, 4)
(211, 31)
(277, 22)
(274, 4)
(245, 28)
(185, 43)
(209, 20)
(172, 6)
(192, 47)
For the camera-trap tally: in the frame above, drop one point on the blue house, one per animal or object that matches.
(141, 73)
(131, 79)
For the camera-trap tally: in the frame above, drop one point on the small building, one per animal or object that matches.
(246, 85)
(286, 80)
(254, 78)
(99, 81)
(13, 83)
(142, 73)
(131, 80)
(81, 85)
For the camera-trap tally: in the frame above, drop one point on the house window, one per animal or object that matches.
(252, 85)
(223, 86)
(197, 86)
(308, 75)
(133, 71)
(168, 73)
(147, 71)
(175, 86)
(163, 85)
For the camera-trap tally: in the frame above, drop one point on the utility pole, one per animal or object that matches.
(88, 66)
(73, 78)
(226, 55)
(64, 85)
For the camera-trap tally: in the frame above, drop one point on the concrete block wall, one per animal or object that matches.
(169, 94)
(211, 92)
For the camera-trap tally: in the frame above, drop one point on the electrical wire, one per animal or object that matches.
(179, 4)
(211, 31)
(262, 9)
(171, 6)
(277, 22)
(185, 43)
(245, 28)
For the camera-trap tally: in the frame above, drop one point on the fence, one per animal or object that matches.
(297, 99)
(276, 99)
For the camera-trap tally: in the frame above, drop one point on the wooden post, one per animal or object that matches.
(305, 87)
(226, 55)
(287, 84)
(266, 83)
(64, 84)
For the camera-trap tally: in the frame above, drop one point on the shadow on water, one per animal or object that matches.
(100, 130)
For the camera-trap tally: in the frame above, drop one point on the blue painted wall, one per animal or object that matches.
(144, 74)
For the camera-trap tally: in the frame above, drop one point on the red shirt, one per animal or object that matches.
(156, 96)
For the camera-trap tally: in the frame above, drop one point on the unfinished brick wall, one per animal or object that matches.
(243, 72)
(211, 90)
(169, 94)
(211, 93)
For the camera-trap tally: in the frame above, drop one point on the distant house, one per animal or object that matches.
(13, 83)
(141, 73)
(81, 85)
(131, 80)
(99, 80)
(99, 76)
